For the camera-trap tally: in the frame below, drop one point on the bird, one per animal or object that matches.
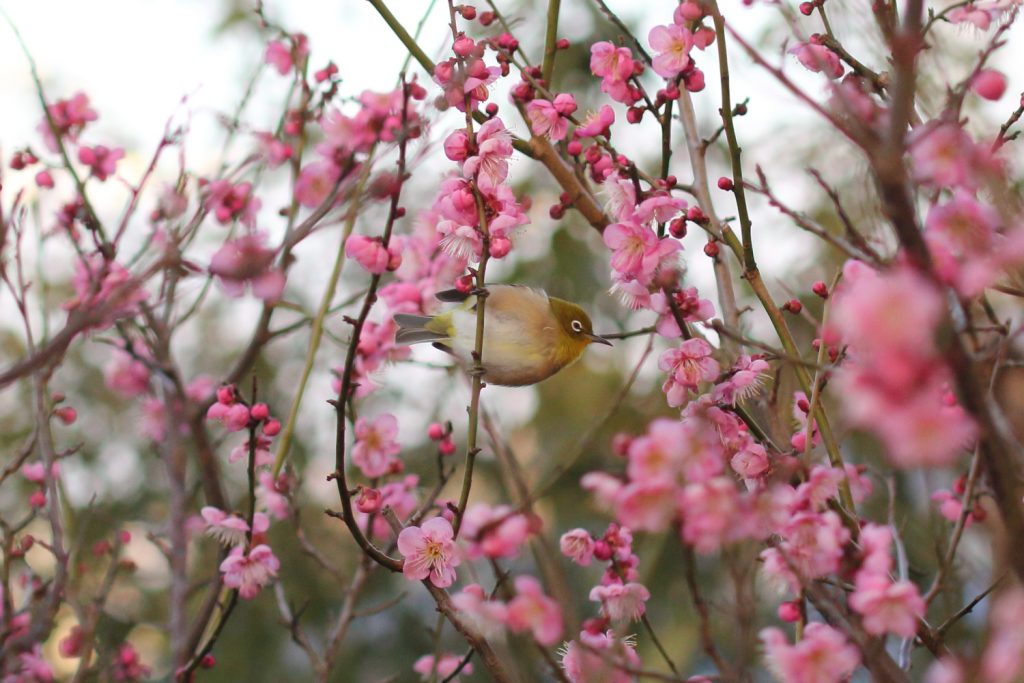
(528, 335)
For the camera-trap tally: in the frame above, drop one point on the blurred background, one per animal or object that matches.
(145, 63)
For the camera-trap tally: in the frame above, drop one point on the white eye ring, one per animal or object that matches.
(577, 326)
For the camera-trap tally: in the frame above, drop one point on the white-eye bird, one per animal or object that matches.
(528, 335)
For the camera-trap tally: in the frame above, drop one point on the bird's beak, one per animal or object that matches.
(598, 340)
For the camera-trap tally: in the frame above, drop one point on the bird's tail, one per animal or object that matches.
(415, 329)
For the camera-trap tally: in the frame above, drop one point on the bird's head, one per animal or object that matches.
(575, 330)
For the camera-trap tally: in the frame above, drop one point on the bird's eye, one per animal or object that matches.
(577, 326)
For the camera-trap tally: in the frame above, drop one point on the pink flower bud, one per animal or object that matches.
(217, 411)
(703, 37)
(694, 81)
(677, 228)
(394, 259)
(711, 249)
(44, 179)
(464, 284)
(272, 427)
(989, 84)
(237, 418)
(820, 288)
(124, 536)
(793, 306)
(37, 499)
(602, 551)
(635, 114)
(688, 11)
(500, 247)
(562, 44)
(724, 184)
(226, 394)
(208, 662)
(435, 431)
(456, 146)
(620, 444)
(369, 500)
(67, 415)
(789, 612)
(260, 412)
(463, 46)
(446, 446)
(575, 147)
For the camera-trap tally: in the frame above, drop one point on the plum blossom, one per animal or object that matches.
(887, 606)
(551, 118)
(622, 602)
(600, 658)
(493, 149)
(246, 261)
(688, 303)
(597, 123)
(822, 656)
(128, 666)
(577, 544)
(102, 161)
(688, 365)
(370, 253)
(249, 571)
(818, 58)
(486, 617)
(495, 531)
(375, 445)
(533, 611)
(315, 183)
(98, 282)
(429, 552)
(444, 668)
(69, 119)
(672, 44)
(228, 530)
(614, 66)
(31, 667)
(229, 202)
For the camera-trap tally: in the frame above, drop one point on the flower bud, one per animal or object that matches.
(435, 431)
(820, 288)
(789, 611)
(725, 184)
(989, 84)
(369, 500)
(260, 412)
(67, 415)
(711, 249)
(272, 427)
(446, 446)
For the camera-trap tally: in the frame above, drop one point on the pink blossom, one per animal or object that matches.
(750, 462)
(34, 472)
(660, 208)
(646, 505)
(494, 531)
(284, 57)
(126, 374)
(551, 118)
(610, 62)
(375, 445)
(316, 182)
(813, 543)
(533, 611)
(887, 606)
(622, 602)
(101, 283)
(128, 666)
(989, 84)
(943, 154)
(261, 452)
(690, 306)
(711, 514)
(102, 161)
(688, 365)
(401, 497)
(744, 380)
(444, 668)
(229, 202)
(597, 123)
(249, 571)
(950, 506)
(822, 656)
(493, 149)
(429, 552)
(228, 530)
(69, 118)
(819, 59)
(246, 261)
(462, 242)
(486, 617)
(638, 253)
(272, 494)
(676, 452)
(600, 658)
(275, 151)
(368, 252)
(577, 544)
(466, 83)
(31, 667)
(673, 44)
(1003, 658)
